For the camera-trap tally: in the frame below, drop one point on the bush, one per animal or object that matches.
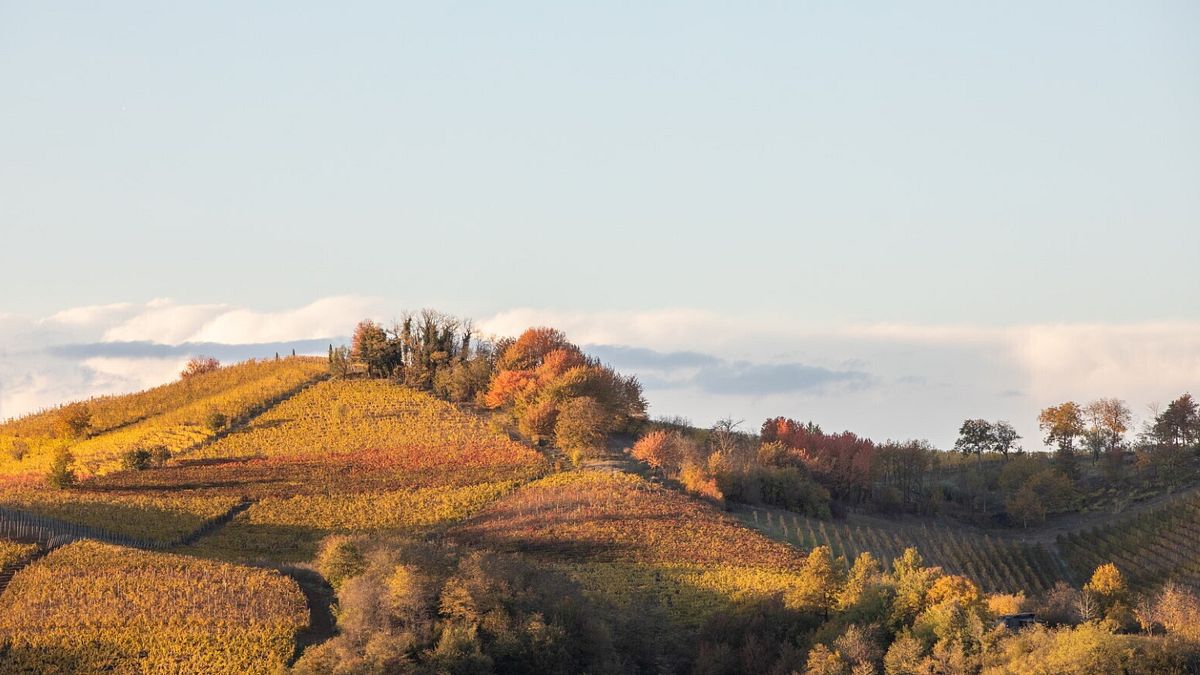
(136, 460)
(60, 474)
(159, 455)
(582, 427)
(787, 487)
(198, 366)
(75, 420)
(340, 560)
(18, 449)
(215, 421)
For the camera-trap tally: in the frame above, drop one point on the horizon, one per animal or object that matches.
(884, 220)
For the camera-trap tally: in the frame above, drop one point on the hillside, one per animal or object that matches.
(172, 416)
(360, 524)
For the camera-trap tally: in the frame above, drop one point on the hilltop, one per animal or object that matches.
(428, 501)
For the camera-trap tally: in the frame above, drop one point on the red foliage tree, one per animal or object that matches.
(842, 461)
(198, 366)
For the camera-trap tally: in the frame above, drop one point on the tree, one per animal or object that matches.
(199, 365)
(370, 346)
(821, 580)
(1005, 438)
(1108, 420)
(1026, 506)
(75, 420)
(1062, 424)
(339, 361)
(1108, 584)
(863, 577)
(530, 349)
(823, 661)
(340, 560)
(538, 420)
(582, 427)
(975, 436)
(1179, 425)
(60, 474)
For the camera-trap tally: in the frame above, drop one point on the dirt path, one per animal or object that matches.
(320, 598)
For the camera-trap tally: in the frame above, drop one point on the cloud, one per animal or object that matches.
(883, 379)
(714, 376)
(120, 347)
(923, 379)
(223, 352)
(756, 379)
(169, 323)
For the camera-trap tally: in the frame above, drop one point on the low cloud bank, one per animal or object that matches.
(883, 380)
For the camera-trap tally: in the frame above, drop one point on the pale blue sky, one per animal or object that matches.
(885, 216)
(924, 161)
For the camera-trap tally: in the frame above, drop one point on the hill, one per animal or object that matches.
(362, 525)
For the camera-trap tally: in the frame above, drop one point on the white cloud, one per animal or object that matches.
(42, 362)
(910, 380)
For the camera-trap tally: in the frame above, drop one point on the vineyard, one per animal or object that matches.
(625, 539)
(161, 519)
(172, 416)
(90, 607)
(287, 529)
(1150, 548)
(998, 565)
(12, 553)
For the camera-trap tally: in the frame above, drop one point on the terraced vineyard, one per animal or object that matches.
(998, 565)
(1150, 548)
(90, 607)
(171, 416)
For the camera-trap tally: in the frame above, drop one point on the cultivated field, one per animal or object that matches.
(90, 607)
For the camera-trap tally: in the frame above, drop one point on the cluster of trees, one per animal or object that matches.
(553, 392)
(425, 350)
(724, 463)
(419, 607)
(540, 382)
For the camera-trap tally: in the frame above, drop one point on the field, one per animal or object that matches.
(172, 416)
(12, 553)
(159, 518)
(90, 607)
(998, 565)
(625, 539)
(1150, 548)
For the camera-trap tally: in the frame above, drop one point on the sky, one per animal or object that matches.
(881, 216)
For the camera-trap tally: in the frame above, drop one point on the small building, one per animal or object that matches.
(1017, 621)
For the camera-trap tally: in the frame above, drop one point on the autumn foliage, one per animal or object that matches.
(552, 391)
(842, 461)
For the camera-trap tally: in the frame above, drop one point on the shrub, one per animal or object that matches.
(215, 421)
(75, 420)
(60, 474)
(198, 366)
(582, 427)
(159, 455)
(537, 421)
(136, 460)
(698, 482)
(340, 560)
(18, 449)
